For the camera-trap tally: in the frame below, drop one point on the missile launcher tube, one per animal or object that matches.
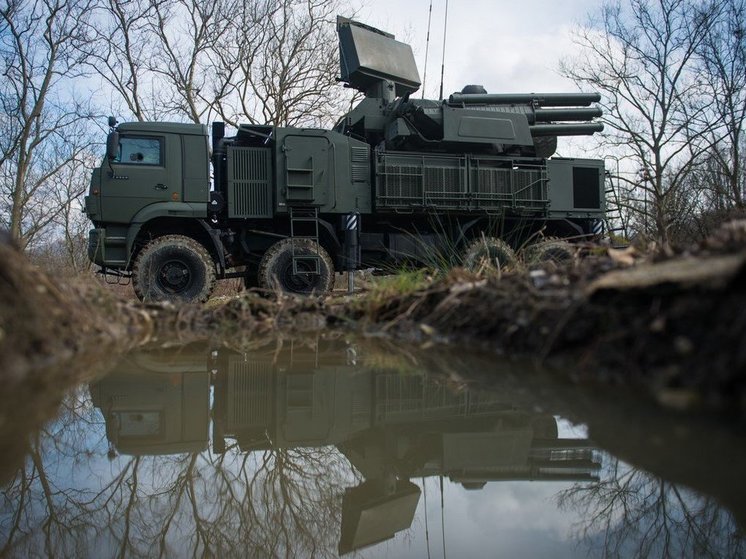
(538, 99)
(556, 115)
(566, 129)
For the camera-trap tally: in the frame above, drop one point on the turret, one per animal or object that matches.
(474, 121)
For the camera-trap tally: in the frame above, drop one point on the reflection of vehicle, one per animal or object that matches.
(391, 426)
(287, 203)
(156, 405)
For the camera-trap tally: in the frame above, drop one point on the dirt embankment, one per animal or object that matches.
(52, 335)
(674, 326)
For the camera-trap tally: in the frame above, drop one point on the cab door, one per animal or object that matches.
(147, 170)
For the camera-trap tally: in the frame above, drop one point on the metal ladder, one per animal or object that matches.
(304, 224)
(614, 213)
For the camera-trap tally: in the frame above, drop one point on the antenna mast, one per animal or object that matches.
(427, 47)
(443, 62)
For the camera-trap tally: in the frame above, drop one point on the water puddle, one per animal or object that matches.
(326, 447)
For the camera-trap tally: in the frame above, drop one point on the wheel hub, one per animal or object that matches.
(303, 281)
(174, 276)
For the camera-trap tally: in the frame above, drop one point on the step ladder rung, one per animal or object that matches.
(301, 264)
(614, 209)
(304, 263)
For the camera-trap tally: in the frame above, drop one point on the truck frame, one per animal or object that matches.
(394, 181)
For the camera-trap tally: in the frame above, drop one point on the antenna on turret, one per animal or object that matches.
(427, 47)
(443, 62)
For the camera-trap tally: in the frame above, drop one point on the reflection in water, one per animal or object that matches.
(640, 515)
(310, 450)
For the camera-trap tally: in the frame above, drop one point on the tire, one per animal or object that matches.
(173, 268)
(555, 251)
(276, 268)
(488, 253)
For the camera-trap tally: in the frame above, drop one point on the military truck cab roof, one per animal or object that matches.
(164, 127)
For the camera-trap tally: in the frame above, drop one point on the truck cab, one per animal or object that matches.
(156, 170)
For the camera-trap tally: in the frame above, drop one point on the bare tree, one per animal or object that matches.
(269, 61)
(186, 32)
(641, 57)
(269, 504)
(287, 76)
(119, 52)
(722, 57)
(42, 135)
(631, 513)
(71, 222)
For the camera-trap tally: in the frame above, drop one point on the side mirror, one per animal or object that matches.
(112, 145)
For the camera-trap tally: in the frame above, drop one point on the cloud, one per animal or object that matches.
(507, 47)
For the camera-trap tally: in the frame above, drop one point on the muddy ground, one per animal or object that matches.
(53, 335)
(674, 326)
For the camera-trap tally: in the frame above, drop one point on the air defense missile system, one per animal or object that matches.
(396, 179)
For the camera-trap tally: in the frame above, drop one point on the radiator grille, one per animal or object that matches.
(360, 163)
(250, 394)
(249, 182)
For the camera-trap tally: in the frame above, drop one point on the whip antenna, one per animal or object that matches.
(427, 47)
(443, 62)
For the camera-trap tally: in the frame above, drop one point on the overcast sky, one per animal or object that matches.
(505, 46)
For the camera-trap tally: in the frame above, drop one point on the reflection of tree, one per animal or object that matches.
(70, 500)
(634, 513)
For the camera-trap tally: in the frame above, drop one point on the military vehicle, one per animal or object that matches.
(396, 179)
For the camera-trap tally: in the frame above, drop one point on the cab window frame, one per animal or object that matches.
(161, 150)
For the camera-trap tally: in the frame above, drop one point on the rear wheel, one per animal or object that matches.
(276, 268)
(488, 253)
(553, 250)
(173, 268)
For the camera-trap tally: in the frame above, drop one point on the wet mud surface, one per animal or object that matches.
(53, 334)
(672, 326)
(668, 330)
(680, 337)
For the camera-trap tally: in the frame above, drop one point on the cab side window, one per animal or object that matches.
(140, 151)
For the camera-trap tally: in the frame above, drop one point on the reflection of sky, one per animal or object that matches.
(568, 430)
(503, 519)
(514, 518)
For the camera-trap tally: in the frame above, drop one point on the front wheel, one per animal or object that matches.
(173, 268)
(314, 266)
